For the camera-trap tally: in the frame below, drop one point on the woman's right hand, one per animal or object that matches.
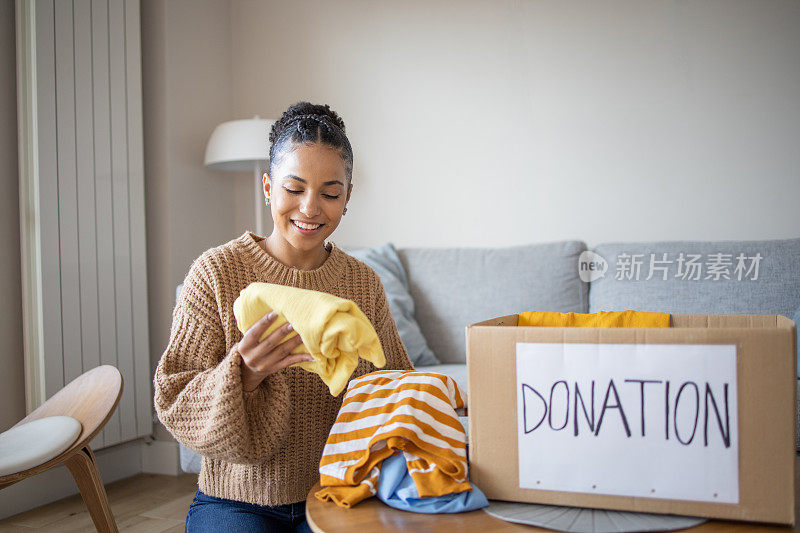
(260, 359)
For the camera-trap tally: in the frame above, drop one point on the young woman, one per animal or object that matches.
(259, 424)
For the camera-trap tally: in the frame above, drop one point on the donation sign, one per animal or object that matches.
(644, 420)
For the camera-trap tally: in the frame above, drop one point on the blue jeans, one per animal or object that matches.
(211, 514)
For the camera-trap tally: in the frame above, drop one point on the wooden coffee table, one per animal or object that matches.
(372, 515)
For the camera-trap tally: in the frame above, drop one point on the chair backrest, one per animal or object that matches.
(90, 399)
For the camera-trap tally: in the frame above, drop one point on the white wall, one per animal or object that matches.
(186, 80)
(508, 122)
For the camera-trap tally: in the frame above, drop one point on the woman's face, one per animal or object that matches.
(307, 187)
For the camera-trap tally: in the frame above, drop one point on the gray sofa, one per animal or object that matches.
(454, 287)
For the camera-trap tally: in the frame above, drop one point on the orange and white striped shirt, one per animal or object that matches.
(391, 410)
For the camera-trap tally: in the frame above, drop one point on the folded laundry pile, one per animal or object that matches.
(396, 488)
(334, 330)
(600, 319)
(403, 422)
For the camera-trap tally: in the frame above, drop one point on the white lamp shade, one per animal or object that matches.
(237, 144)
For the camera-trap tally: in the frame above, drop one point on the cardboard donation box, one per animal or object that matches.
(697, 419)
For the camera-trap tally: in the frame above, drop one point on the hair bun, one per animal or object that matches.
(302, 111)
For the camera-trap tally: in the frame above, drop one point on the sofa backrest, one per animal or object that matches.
(733, 277)
(455, 287)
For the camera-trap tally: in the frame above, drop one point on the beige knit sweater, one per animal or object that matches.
(263, 446)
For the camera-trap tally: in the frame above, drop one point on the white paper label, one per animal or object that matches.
(645, 420)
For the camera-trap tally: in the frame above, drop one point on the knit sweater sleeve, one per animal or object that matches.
(198, 390)
(393, 348)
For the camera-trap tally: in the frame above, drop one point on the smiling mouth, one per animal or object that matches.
(306, 227)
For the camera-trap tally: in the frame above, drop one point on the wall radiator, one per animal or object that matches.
(82, 202)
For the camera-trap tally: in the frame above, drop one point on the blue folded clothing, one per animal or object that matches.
(396, 489)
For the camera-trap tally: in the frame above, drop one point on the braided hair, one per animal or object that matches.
(307, 123)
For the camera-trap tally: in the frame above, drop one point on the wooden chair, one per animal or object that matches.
(90, 399)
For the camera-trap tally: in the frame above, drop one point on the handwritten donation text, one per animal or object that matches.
(648, 420)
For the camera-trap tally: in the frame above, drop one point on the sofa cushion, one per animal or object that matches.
(384, 261)
(455, 287)
(770, 287)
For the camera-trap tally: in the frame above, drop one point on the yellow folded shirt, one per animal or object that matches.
(601, 319)
(334, 330)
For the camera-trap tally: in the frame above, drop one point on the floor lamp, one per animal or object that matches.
(241, 145)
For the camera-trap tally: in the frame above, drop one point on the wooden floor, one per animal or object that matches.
(147, 503)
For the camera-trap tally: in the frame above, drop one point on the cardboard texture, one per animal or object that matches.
(766, 370)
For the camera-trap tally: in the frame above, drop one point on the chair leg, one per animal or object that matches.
(83, 467)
